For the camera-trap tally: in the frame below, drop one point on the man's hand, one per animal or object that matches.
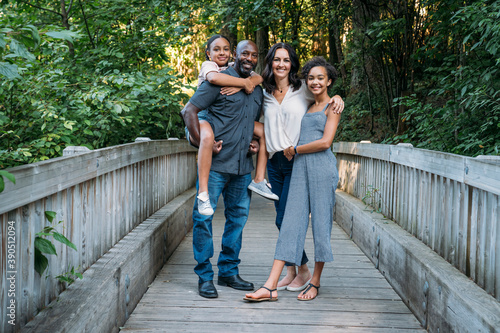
(336, 104)
(254, 147)
(217, 147)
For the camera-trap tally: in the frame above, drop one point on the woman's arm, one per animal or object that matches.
(324, 143)
(336, 104)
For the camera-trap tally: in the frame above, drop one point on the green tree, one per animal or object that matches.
(104, 82)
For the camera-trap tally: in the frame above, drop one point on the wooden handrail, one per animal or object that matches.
(449, 202)
(99, 195)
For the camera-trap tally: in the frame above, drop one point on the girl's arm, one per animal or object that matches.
(322, 144)
(256, 78)
(225, 80)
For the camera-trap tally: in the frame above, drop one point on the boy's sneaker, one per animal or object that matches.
(263, 188)
(204, 206)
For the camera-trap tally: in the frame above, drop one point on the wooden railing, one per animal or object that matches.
(449, 202)
(99, 195)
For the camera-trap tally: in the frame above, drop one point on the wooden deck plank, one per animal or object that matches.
(158, 326)
(237, 317)
(354, 296)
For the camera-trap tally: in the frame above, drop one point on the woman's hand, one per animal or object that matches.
(336, 104)
(289, 153)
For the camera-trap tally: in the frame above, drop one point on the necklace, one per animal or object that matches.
(281, 89)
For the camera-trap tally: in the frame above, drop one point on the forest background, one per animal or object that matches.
(101, 73)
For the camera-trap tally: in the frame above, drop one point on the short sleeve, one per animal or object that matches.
(308, 95)
(205, 95)
(207, 67)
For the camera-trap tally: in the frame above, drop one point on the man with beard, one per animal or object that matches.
(232, 120)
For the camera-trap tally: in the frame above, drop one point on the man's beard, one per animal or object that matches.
(245, 71)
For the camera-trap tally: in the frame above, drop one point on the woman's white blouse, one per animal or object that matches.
(282, 121)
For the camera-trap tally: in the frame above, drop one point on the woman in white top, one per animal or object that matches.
(286, 100)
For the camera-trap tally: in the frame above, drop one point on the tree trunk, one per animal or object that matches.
(262, 41)
(294, 37)
(230, 33)
(336, 54)
(91, 39)
(65, 23)
(358, 25)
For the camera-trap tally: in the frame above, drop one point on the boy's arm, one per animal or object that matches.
(225, 80)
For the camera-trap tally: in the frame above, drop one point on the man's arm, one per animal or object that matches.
(190, 115)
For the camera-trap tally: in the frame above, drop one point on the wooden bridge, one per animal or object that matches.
(418, 252)
(354, 296)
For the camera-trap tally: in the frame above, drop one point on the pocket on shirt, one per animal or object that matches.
(258, 101)
(232, 99)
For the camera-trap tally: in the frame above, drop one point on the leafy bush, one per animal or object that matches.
(56, 93)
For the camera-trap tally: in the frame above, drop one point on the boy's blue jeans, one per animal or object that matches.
(236, 207)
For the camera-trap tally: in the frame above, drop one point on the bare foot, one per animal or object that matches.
(300, 281)
(309, 293)
(283, 283)
(262, 293)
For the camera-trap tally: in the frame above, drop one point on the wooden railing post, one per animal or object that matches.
(75, 150)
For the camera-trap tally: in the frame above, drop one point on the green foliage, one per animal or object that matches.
(373, 198)
(7, 175)
(103, 73)
(363, 119)
(44, 245)
(70, 275)
(441, 128)
(458, 110)
(101, 82)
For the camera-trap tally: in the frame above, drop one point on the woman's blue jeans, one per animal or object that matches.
(236, 207)
(279, 171)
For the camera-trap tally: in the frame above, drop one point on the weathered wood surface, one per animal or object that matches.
(112, 287)
(354, 296)
(100, 196)
(440, 296)
(449, 202)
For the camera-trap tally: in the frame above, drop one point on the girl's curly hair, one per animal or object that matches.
(320, 62)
